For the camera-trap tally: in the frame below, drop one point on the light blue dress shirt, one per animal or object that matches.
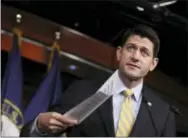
(118, 99)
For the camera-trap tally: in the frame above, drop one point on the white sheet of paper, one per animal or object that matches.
(89, 105)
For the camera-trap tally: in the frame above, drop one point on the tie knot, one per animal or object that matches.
(128, 92)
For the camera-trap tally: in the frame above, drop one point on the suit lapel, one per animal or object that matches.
(139, 128)
(106, 113)
(145, 116)
(143, 125)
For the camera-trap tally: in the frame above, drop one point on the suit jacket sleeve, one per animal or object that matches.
(170, 126)
(68, 100)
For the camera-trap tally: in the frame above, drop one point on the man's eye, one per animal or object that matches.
(145, 53)
(131, 47)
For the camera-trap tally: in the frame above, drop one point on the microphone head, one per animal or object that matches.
(176, 110)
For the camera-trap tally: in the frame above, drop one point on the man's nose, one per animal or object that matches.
(135, 55)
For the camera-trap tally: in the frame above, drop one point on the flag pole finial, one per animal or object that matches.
(18, 18)
(57, 35)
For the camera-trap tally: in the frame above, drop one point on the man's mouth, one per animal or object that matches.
(133, 65)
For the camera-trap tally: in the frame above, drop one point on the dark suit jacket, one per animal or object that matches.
(155, 120)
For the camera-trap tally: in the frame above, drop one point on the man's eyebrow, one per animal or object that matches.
(145, 48)
(131, 44)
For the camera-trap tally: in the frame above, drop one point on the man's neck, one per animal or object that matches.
(130, 83)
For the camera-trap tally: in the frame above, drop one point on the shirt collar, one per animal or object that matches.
(119, 87)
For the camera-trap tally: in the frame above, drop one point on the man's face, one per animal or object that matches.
(136, 57)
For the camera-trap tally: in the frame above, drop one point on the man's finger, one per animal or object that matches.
(68, 120)
(57, 123)
(64, 118)
(55, 129)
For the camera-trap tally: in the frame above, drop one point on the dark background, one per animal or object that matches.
(106, 21)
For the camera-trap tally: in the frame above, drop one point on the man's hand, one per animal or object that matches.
(52, 122)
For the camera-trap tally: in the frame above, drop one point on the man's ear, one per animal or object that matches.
(154, 64)
(118, 53)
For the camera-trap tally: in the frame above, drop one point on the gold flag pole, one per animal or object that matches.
(55, 45)
(16, 28)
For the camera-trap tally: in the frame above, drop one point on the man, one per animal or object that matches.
(133, 111)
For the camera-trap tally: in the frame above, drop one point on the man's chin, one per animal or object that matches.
(132, 76)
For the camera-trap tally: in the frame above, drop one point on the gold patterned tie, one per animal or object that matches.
(126, 116)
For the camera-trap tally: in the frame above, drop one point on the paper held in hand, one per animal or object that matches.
(89, 105)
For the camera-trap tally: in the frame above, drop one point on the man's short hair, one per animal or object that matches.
(143, 31)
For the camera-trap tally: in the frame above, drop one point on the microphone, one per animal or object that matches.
(164, 4)
(176, 110)
(149, 106)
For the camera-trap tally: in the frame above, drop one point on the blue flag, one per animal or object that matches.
(48, 91)
(13, 86)
(55, 58)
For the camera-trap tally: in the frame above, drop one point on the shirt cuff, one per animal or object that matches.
(34, 129)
